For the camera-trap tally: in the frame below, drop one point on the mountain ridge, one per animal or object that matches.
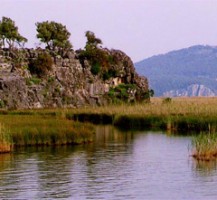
(179, 69)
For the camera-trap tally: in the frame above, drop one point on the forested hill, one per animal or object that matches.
(187, 72)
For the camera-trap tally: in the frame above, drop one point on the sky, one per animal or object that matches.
(140, 28)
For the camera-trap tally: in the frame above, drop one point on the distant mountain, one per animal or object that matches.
(187, 72)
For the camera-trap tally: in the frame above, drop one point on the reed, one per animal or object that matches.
(5, 139)
(38, 130)
(205, 146)
(180, 114)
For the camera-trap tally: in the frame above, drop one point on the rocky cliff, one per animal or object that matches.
(69, 82)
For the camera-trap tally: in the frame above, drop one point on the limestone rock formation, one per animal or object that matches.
(69, 83)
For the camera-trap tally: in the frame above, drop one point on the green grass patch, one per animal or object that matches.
(40, 130)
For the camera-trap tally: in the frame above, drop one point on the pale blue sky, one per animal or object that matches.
(141, 28)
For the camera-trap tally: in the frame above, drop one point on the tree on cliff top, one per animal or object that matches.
(54, 35)
(92, 39)
(9, 33)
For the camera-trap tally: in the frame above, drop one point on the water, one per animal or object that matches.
(119, 165)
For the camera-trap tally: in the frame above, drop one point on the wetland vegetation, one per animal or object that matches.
(41, 130)
(71, 126)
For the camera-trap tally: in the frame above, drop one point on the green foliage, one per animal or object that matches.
(92, 39)
(53, 34)
(33, 81)
(9, 33)
(41, 65)
(95, 68)
(120, 93)
(51, 79)
(151, 92)
(100, 60)
(2, 104)
(92, 53)
(108, 74)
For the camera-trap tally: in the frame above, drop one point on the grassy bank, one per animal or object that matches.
(53, 127)
(181, 114)
(39, 130)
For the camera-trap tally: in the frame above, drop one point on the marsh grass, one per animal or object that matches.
(180, 114)
(5, 139)
(205, 146)
(40, 130)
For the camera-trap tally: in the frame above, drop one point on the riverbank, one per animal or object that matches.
(177, 114)
(41, 130)
(63, 126)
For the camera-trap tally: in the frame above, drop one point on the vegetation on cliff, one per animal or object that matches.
(9, 33)
(58, 76)
(53, 34)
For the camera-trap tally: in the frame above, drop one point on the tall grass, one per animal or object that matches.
(5, 139)
(205, 146)
(181, 114)
(31, 130)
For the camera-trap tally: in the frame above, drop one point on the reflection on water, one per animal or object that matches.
(118, 165)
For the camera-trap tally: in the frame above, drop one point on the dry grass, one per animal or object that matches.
(181, 106)
(181, 113)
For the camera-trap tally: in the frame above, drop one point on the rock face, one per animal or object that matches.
(70, 82)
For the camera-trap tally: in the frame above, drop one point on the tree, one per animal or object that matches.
(54, 35)
(91, 39)
(9, 33)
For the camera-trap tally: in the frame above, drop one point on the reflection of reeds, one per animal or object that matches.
(29, 130)
(5, 139)
(205, 146)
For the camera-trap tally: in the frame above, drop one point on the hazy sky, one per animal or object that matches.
(141, 28)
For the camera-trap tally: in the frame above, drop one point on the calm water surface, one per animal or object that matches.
(119, 165)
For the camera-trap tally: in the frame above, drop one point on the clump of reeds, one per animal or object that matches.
(205, 146)
(5, 139)
(180, 114)
(38, 130)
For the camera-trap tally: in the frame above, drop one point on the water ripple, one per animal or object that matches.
(145, 166)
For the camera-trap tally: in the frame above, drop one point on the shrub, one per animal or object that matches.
(95, 68)
(33, 81)
(121, 92)
(41, 65)
(108, 74)
(167, 100)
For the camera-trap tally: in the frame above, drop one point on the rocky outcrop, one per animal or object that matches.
(69, 83)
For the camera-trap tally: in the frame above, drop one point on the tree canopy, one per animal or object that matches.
(92, 39)
(9, 33)
(53, 34)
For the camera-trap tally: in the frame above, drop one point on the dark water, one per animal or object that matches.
(118, 165)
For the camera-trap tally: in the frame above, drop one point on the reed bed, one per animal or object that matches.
(181, 114)
(38, 130)
(205, 146)
(5, 139)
